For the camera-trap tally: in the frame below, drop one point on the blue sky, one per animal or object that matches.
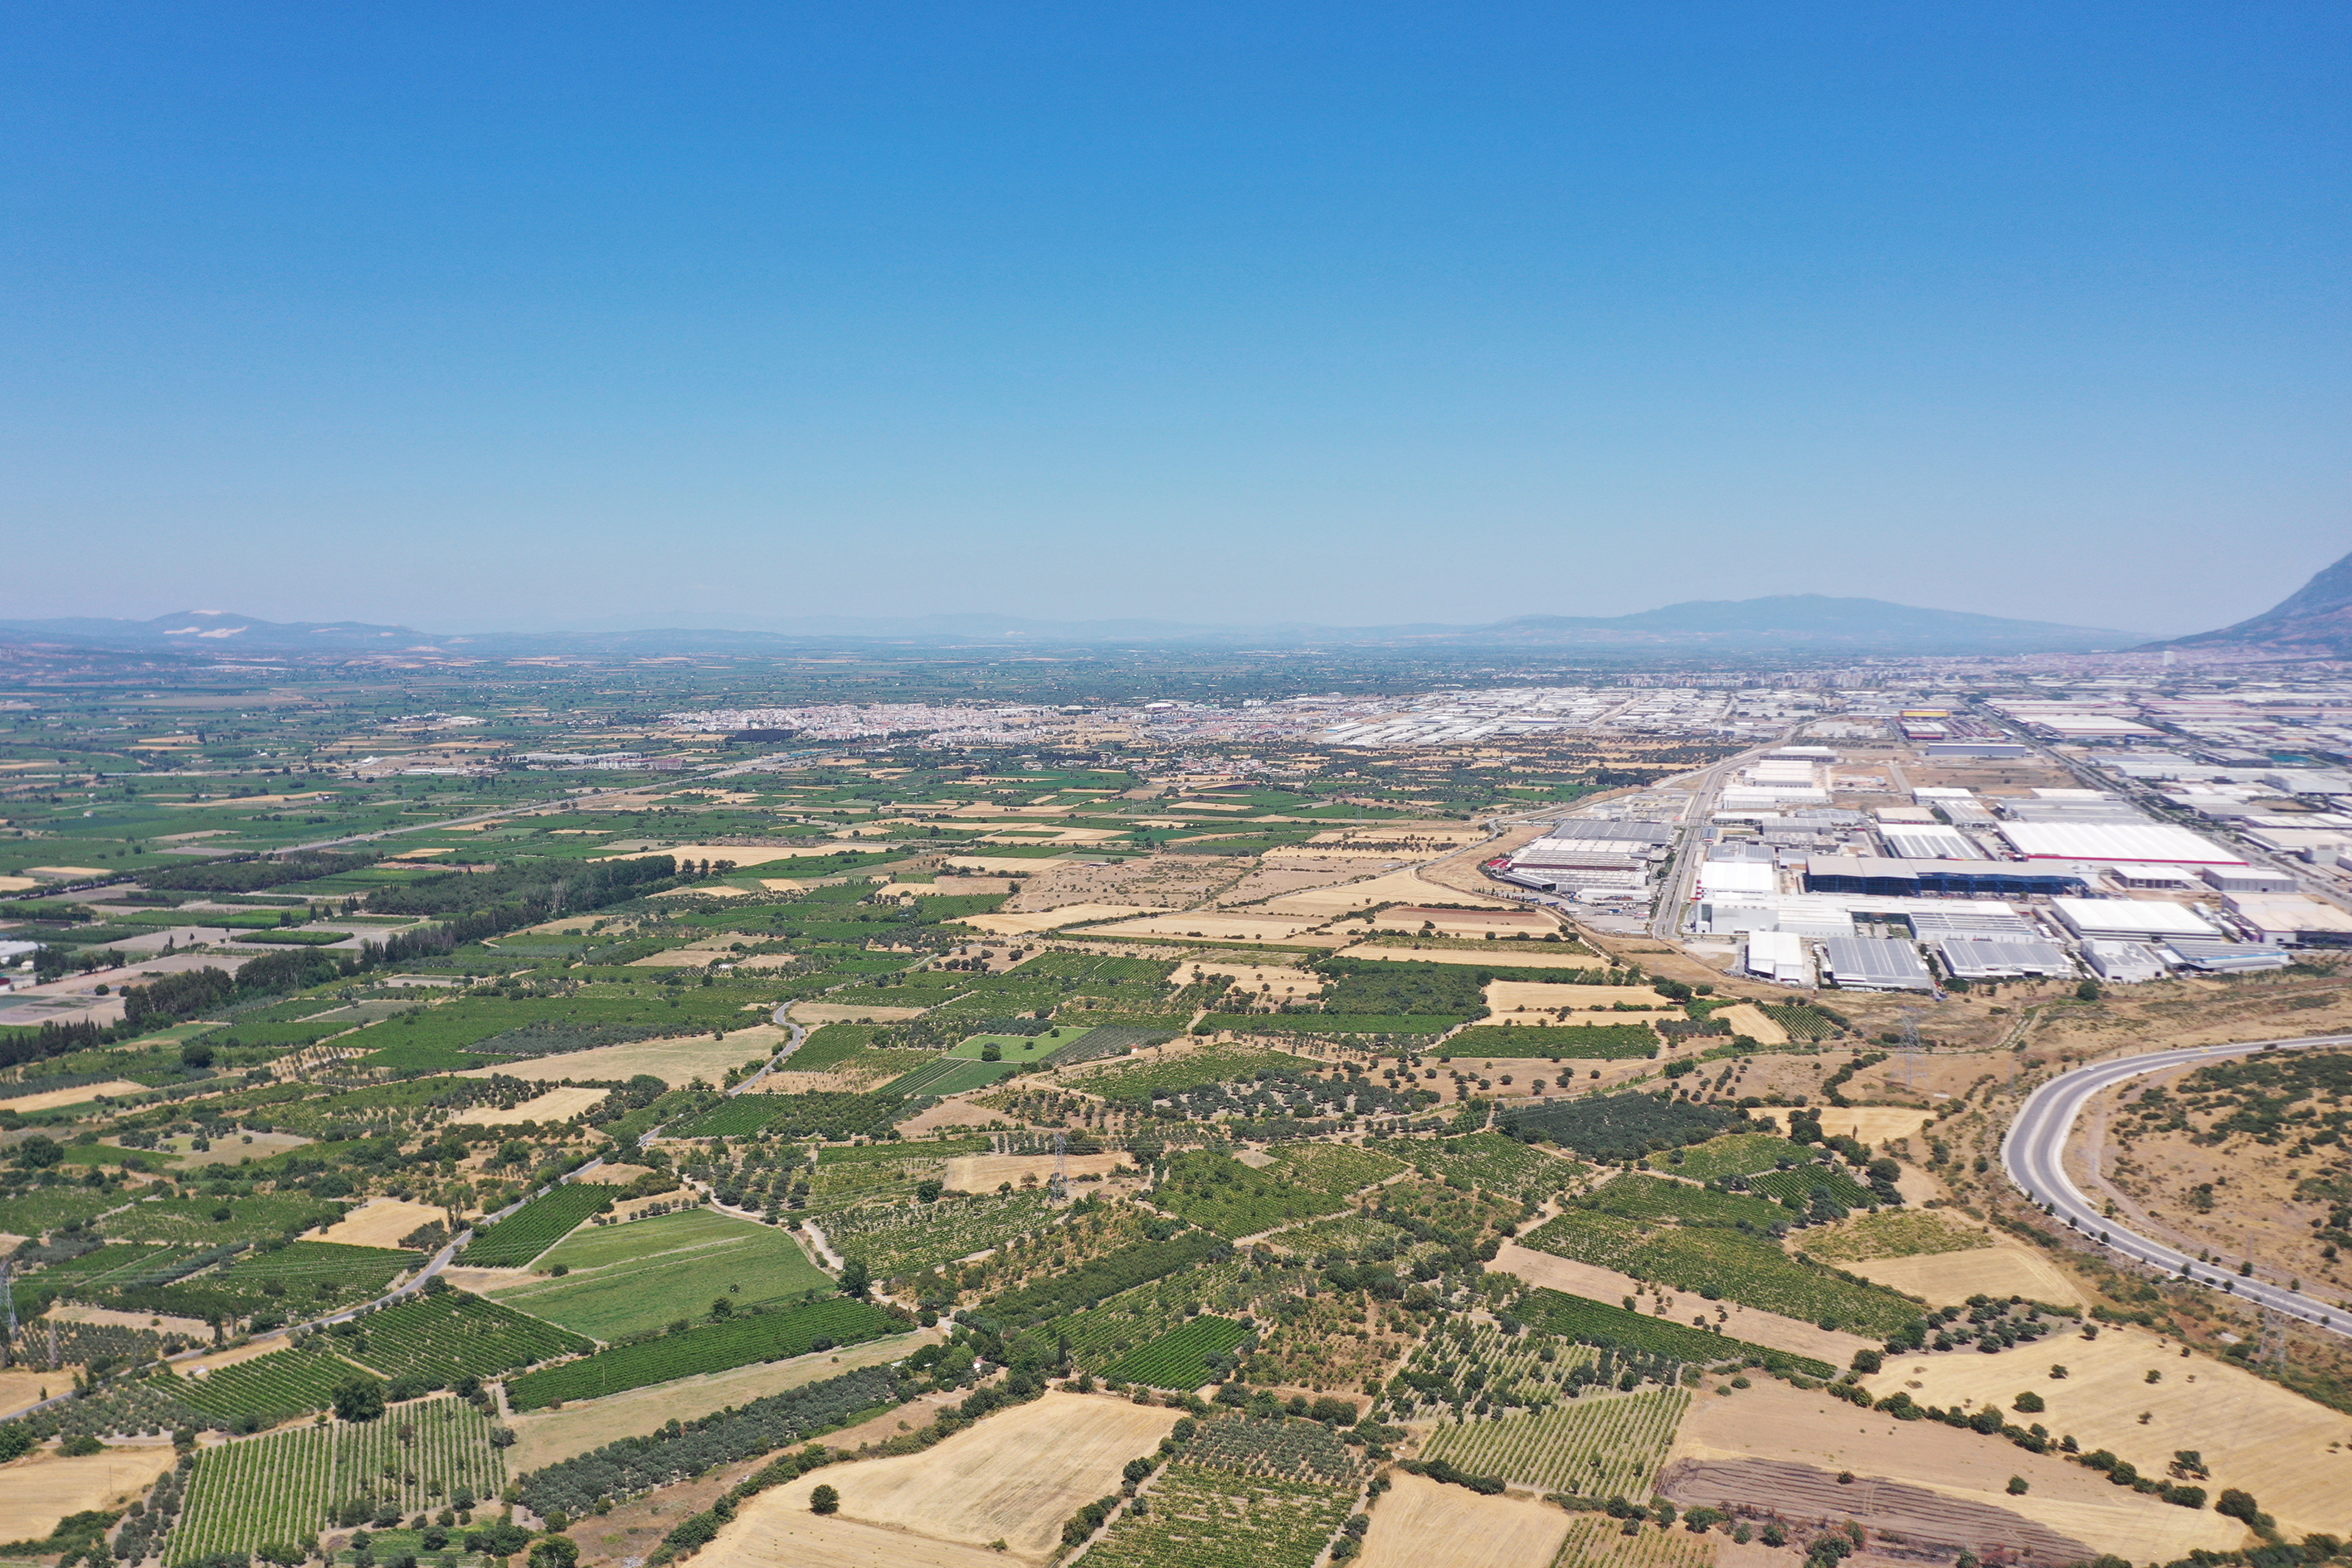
(511, 315)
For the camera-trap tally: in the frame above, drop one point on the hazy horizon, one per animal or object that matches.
(1347, 316)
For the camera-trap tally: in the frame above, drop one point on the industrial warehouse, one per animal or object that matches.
(1816, 867)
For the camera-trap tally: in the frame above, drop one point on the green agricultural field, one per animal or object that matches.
(1726, 1264)
(1314, 1023)
(898, 1239)
(1485, 1160)
(1205, 1517)
(831, 1045)
(1733, 1155)
(1571, 1042)
(531, 1229)
(444, 1335)
(109, 1267)
(274, 1387)
(627, 1278)
(1219, 1193)
(1654, 1200)
(1179, 1359)
(1598, 1447)
(1621, 1126)
(52, 1208)
(279, 1488)
(1597, 1323)
(714, 1347)
(210, 1222)
(823, 1115)
(1334, 1169)
(1133, 1081)
(949, 1076)
(1801, 1184)
(299, 1267)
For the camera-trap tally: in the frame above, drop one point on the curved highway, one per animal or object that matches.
(2034, 1154)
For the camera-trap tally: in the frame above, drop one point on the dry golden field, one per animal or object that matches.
(1421, 1523)
(382, 1222)
(1773, 1422)
(1015, 1477)
(676, 1061)
(555, 1105)
(2296, 1456)
(57, 1097)
(41, 1488)
(1946, 1279)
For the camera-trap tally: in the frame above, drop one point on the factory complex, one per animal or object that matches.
(2113, 839)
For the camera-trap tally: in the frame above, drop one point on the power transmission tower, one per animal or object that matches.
(1058, 1189)
(8, 1294)
(2272, 1347)
(1910, 1046)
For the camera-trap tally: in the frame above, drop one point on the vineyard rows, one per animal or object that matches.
(282, 1384)
(1284, 1447)
(427, 1456)
(1596, 1540)
(1203, 1518)
(896, 1240)
(531, 1229)
(1136, 1317)
(1722, 1263)
(1601, 1446)
(1485, 1160)
(1179, 1357)
(1527, 1370)
(713, 1347)
(446, 1335)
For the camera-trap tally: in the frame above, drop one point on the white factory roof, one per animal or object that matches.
(1930, 841)
(2157, 841)
(2286, 914)
(1737, 877)
(1740, 798)
(1778, 956)
(2130, 917)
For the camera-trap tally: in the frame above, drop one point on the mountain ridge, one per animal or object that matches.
(1772, 622)
(2315, 621)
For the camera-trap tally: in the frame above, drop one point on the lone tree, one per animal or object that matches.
(856, 1280)
(359, 1399)
(824, 1499)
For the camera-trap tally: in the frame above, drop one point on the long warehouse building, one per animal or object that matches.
(2115, 842)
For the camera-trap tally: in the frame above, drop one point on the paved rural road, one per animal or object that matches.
(2034, 1154)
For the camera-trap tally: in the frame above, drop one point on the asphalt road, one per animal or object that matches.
(2034, 1154)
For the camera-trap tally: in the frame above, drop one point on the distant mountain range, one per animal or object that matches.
(1788, 622)
(2314, 622)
